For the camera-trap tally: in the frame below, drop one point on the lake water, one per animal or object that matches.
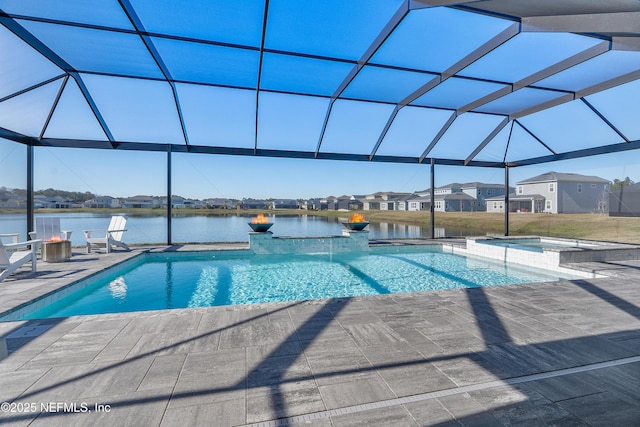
(203, 228)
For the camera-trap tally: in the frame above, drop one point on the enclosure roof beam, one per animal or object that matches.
(54, 106)
(146, 40)
(36, 86)
(259, 77)
(206, 149)
(585, 55)
(488, 139)
(423, 4)
(604, 119)
(439, 135)
(620, 22)
(608, 84)
(472, 57)
(626, 43)
(535, 137)
(594, 151)
(384, 131)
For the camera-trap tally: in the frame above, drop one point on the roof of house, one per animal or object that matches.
(481, 184)
(563, 177)
(455, 196)
(464, 185)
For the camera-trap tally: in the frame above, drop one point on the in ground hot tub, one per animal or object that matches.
(548, 252)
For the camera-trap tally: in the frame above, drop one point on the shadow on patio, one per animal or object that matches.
(472, 355)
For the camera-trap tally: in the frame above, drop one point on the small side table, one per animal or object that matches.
(56, 251)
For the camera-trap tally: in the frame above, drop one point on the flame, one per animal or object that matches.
(260, 219)
(356, 217)
(56, 239)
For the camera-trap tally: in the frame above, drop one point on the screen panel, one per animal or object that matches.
(571, 126)
(412, 130)
(93, 50)
(226, 21)
(604, 67)
(455, 93)
(27, 113)
(433, 39)
(385, 84)
(206, 63)
(22, 66)
(519, 100)
(290, 122)
(106, 13)
(321, 28)
(136, 110)
(466, 133)
(354, 126)
(621, 107)
(526, 54)
(309, 76)
(216, 116)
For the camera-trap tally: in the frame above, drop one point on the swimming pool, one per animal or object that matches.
(158, 281)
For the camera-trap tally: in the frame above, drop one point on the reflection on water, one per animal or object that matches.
(204, 228)
(118, 288)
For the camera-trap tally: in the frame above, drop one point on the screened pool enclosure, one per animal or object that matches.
(493, 84)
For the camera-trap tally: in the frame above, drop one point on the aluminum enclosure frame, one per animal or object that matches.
(615, 24)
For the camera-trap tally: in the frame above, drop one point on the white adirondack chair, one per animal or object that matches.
(111, 236)
(11, 261)
(48, 227)
(15, 237)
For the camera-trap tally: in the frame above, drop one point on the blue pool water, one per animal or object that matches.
(215, 278)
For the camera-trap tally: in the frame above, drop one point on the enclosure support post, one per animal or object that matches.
(432, 210)
(30, 207)
(506, 200)
(169, 202)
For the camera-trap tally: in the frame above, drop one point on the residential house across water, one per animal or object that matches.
(344, 203)
(102, 202)
(456, 197)
(314, 204)
(138, 202)
(219, 203)
(254, 204)
(57, 202)
(555, 192)
(285, 204)
(383, 201)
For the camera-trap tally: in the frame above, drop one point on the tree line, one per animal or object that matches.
(618, 184)
(77, 196)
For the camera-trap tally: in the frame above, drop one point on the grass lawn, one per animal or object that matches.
(583, 226)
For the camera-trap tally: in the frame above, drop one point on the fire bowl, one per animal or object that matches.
(260, 228)
(356, 226)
